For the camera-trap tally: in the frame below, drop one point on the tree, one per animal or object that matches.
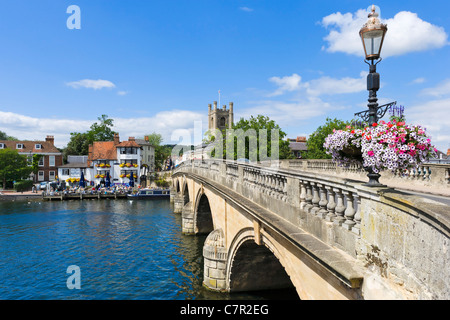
(79, 142)
(13, 166)
(101, 131)
(4, 136)
(252, 139)
(161, 151)
(155, 139)
(317, 138)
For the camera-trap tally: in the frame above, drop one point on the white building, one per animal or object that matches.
(118, 159)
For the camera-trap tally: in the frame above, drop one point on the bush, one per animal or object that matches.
(24, 185)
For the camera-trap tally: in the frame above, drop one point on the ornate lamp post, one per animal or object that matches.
(372, 35)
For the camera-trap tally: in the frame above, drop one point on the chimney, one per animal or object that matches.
(146, 138)
(50, 139)
(215, 105)
(116, 139)
(90, 155)
(131, 139)
(448, 152)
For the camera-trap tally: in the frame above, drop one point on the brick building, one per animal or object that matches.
(49, 163)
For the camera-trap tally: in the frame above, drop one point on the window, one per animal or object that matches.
(51, 175)
(41, 162)
(65, 172)
(128, 150)
(37, 146)
(19, 146)
(51, 161)
(132, 161)
(40, 175)
(222, 121)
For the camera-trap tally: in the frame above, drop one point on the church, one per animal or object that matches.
(221, 119)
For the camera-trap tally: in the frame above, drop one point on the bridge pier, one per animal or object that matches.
(187, 219)
(178, 203)
(215, 261)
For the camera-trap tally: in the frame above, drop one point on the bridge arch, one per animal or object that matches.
(203, 218)
(177, 185)
(185, 192)
(252, 267)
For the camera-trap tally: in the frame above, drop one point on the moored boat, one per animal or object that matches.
(150, 193)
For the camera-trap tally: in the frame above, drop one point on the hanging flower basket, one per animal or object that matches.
(383, 146)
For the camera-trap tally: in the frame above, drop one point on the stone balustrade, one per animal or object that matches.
(434, 178)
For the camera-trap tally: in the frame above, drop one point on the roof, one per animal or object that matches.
(128, 144)
(103, 150)
(30, 146)
(143, 142)
(294, 146)
(74, 165)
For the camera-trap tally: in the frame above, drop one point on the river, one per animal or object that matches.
(124, 249)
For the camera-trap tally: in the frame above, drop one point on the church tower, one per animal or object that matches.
(221, 119)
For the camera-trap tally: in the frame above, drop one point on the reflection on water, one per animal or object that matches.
(125, 250)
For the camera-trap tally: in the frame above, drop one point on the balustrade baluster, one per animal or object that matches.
(315, 199)
(357, 227)
(302, 194)
(340, 208)
(285, 190)
(349, 211)
(309, 197)
(331, 204)
(323, 202)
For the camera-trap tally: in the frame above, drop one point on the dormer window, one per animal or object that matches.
(19, 146)
(37, 146)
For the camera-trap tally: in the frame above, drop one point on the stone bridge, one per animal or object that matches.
(327, 236)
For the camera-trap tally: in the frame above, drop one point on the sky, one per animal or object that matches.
(154, 66)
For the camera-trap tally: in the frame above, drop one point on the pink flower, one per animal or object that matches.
(371, 153)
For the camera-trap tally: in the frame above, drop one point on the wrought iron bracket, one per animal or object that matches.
(381, 111)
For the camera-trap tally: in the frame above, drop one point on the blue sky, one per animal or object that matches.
(156, 65)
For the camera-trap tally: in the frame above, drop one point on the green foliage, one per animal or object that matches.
(317, 138)
(79, 142)
(251, 131)
(155, 139)
(4, 136)
(23, 185)
(13, 166)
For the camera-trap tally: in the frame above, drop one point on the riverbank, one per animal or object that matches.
(10, 195)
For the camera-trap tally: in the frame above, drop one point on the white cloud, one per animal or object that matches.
(433, 115)
(91, 84)
(440, 90)
(418, 81)
(406, 33)
(246, 9)
(322, 86)
(327, 85)
(122, 93)
(165, 123)
(286, 83)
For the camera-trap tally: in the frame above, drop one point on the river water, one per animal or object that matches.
(124, 249)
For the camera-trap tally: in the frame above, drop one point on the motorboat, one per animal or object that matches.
(150, 193)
